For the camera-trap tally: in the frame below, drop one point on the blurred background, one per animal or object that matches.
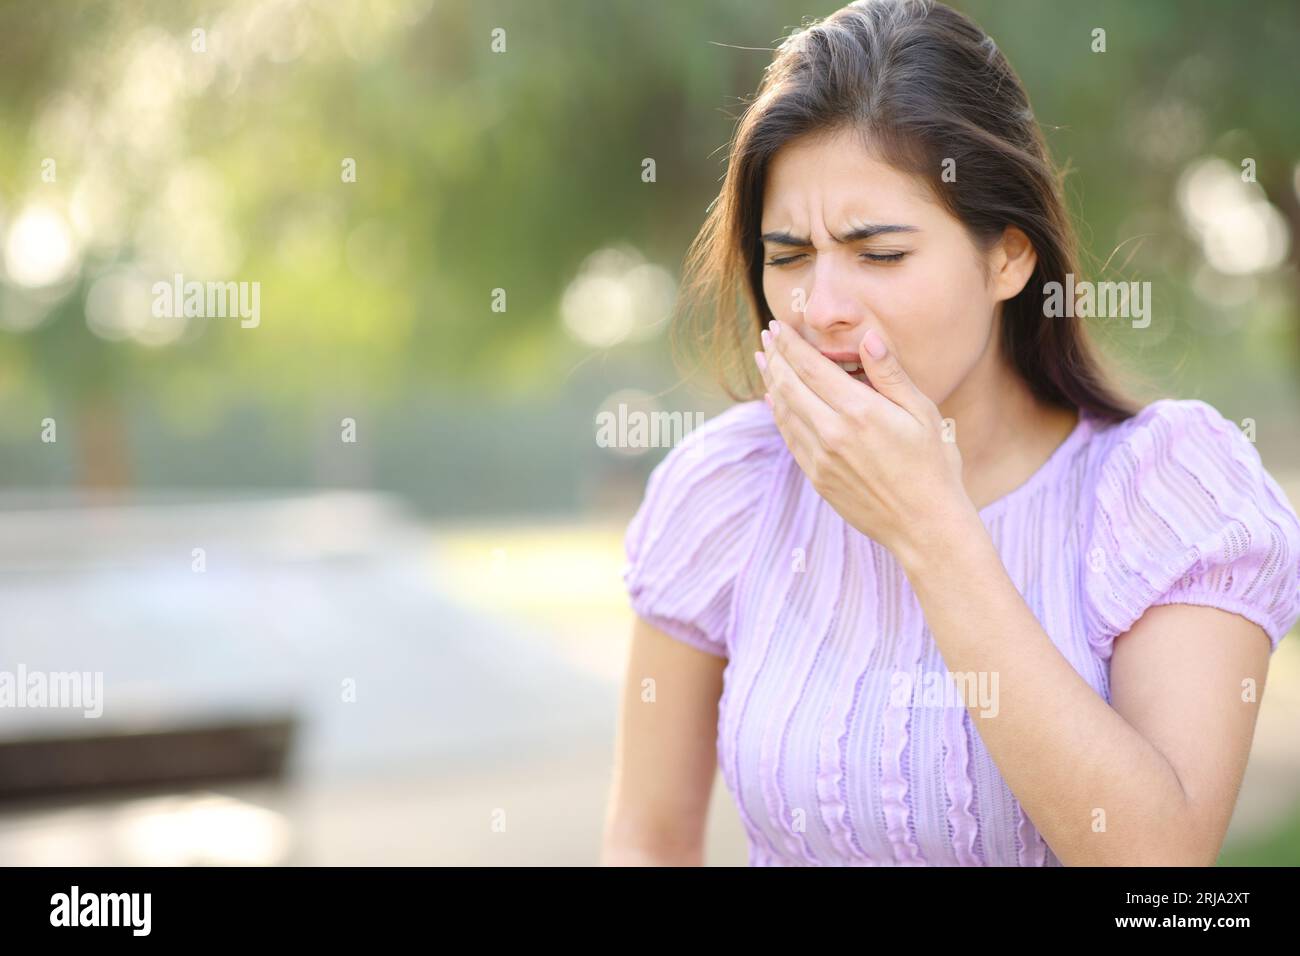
(347, 557)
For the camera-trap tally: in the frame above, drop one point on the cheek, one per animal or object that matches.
(938, 301)
(917, 310)
(940, 328)
(778, 290)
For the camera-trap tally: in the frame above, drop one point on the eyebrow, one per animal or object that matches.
(864, 232)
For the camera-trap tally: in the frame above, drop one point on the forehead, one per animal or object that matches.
(832, 179)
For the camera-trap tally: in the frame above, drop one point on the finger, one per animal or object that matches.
(784, 382)
(799, 436)
(824, 378)
(890, 379)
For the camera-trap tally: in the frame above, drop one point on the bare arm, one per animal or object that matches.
(666, 753)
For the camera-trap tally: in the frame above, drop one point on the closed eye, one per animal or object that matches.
(871, 256)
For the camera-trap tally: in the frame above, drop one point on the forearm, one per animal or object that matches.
(1063, 751)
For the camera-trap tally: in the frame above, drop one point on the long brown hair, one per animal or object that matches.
(921, 84)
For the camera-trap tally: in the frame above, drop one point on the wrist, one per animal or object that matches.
(947, 534)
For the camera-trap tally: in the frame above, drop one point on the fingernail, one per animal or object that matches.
(767, 338)
(875, 345)
(767, 397)
(775, 326)
(761, 361)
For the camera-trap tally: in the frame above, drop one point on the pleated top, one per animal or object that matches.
(833, 733)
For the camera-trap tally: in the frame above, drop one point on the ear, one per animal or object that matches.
(1012, 262)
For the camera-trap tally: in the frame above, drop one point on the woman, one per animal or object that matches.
(941, 596)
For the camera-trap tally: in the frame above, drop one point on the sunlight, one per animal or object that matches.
(40, 249)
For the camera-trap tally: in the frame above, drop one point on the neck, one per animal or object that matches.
(1004, 433)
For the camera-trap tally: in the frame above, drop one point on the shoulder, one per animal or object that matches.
(1184, 511)
(730, 449)
(1171, 422)
(1184, 458)
(696, 525)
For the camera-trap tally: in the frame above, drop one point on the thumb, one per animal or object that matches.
(887, 375)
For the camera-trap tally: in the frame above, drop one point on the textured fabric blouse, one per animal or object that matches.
(735, 553)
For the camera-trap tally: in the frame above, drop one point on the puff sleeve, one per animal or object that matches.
(1185, 513)
(696, 525)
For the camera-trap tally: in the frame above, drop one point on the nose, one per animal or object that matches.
(832, 302)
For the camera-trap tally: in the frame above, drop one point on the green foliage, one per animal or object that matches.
(481, 170)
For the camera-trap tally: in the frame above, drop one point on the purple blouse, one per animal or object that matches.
(833, 735)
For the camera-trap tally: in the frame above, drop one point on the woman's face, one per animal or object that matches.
(918, 277)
